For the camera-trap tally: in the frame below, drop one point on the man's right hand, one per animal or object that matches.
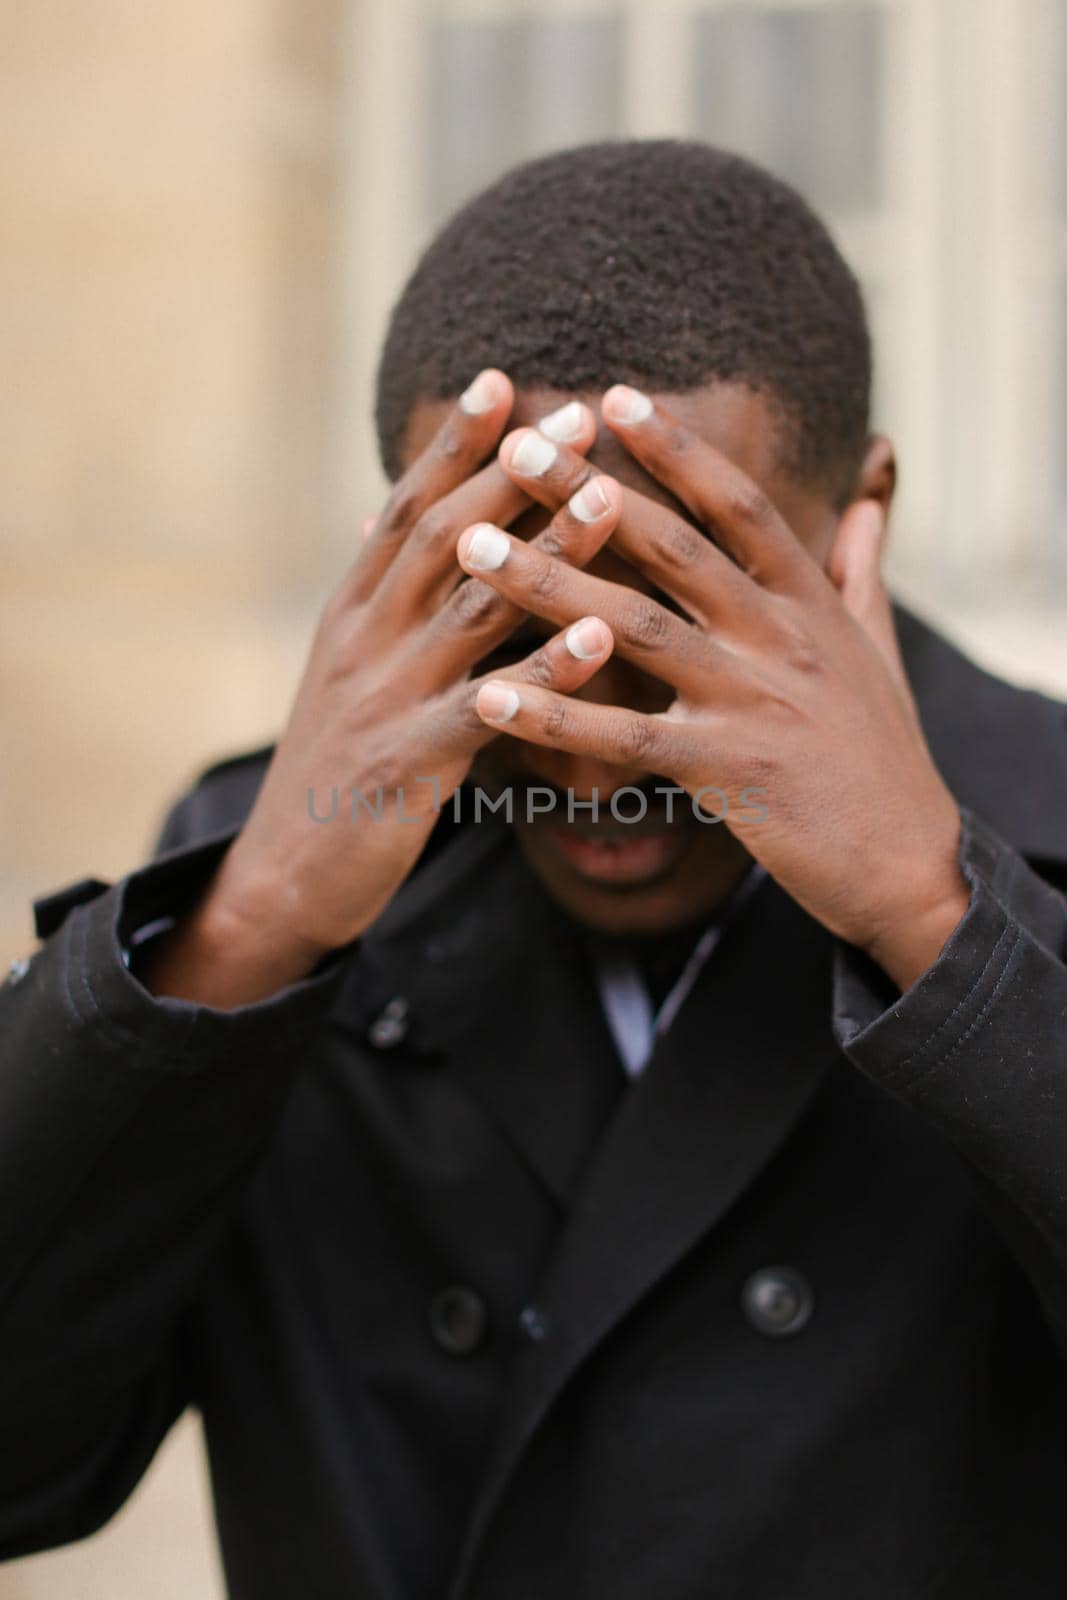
(386, 700)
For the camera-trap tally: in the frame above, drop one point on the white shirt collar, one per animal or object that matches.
(635, 1024)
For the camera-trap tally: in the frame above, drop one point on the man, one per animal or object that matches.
(575, 1205)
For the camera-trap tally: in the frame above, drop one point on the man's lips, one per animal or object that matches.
(619, 855)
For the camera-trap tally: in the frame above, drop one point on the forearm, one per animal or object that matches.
(978, 1046)
(129, 1126)
(224, 954)
(935, 906)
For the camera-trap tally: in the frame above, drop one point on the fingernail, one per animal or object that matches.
(586, 639)
(482, 395)
(486, 548)
(589, 502)
(566, 423)
(497, 702)
(533, 455)
(369, 525)
(623, 404)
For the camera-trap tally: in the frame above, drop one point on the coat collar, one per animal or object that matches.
(1002, 750)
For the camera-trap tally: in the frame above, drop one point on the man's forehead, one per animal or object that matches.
(735, 419)
(606, 452)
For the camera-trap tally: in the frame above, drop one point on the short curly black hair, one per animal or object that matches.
(663, 263)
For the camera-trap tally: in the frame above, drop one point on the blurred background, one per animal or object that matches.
(206, 211)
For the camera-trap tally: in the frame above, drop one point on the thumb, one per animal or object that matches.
(855, 570)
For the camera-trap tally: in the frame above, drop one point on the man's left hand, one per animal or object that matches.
(788, 680)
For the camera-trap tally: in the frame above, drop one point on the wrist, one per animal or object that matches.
(909, 945)
(228, 950)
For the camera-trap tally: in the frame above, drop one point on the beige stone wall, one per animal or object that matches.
(166, 305)
(161, 1544)
(167, 182)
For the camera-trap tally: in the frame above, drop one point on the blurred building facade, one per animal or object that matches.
(206, 212)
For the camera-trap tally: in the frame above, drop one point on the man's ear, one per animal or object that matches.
(877, 477)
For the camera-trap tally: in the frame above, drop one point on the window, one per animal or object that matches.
(927, 132)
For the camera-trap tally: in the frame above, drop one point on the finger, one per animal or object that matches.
(855, 570)
(477, 620)
(739, 515)
(461, 444)
(855, 567)
(667, 646)
(548, 469)
(424, 571)
(562, 664)
(558, 721)
(573, 425)
(681, 558)
(684, 562)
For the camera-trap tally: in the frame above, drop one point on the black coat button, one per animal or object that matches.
(777, 1300)
(458, 1320)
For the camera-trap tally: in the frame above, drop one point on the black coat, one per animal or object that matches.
(468, 1315)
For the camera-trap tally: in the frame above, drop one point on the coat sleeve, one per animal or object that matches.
(128, 1126)
(978, 1045)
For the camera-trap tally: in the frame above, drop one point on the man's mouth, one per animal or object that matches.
(618, 855)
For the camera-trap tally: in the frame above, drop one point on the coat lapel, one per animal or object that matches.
(499, 997)
(729, 1082)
